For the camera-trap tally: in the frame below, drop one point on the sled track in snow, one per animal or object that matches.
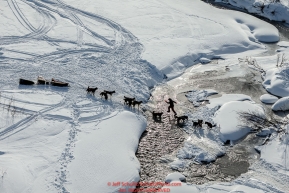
(109, 60)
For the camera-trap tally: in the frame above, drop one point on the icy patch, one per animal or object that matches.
(281, 105)
(227, 98)
(268, 98)
(197, 96)
(227, 118)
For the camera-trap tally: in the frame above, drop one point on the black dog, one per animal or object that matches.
(200, 122)
(136, 103)
(210, 125)
(91, 90)
(157, 116)
(195, 124)
(183, 118)
(109, 92)
(104, 94)
(128, 101)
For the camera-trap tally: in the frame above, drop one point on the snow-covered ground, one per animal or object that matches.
(276, 10)
(63, 140)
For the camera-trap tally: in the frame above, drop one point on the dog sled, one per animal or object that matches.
(25, 82)
(41, 80)
(58, 83)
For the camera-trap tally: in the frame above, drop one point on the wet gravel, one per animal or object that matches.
(160, 138)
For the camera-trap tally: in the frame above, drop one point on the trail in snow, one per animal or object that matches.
(100, 53)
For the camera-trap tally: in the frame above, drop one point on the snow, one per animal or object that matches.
(203, 144)
(108, 153)
(233, 188)
(204, 60)
(276, 81)
(214, 102)
(265, 132)
(176, 176)
(284, 44)
(268, 98)
(195, 149)
(277, 11)
(197, 96)
(162, 26)
(63, 140)
(31, 154)
(227, 118)
(278, 148)
(281, 104)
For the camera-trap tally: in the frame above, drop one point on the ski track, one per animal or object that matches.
(110, 65)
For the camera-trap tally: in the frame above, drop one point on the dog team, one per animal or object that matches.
(180, 119)
(131, 102)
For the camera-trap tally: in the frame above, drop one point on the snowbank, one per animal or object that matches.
(281, 105)
(227, 98)
(106, 155)
(176, 176)
(268, 98)
(227, 118)
(276, 81)
(205, 60)
(277, 11)
(277, 147)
